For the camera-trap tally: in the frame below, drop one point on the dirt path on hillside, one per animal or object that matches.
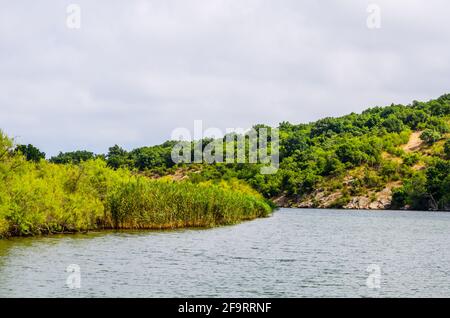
(414, 142)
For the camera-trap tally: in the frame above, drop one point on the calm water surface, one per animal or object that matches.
(294, 253)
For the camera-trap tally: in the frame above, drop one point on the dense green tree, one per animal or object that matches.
(430, 136)
(351, 153)
(74, 157)
(393, 124)
(436, 183)
(295, 141)
(439, 108)
(117, 157)
(413, 194)
(415, 117)
(438, 124)
(152, 157)
(447, 148)
(30, 152)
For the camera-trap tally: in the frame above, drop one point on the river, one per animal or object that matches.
(294, 253)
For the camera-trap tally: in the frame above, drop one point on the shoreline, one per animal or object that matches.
(163, 228)
(168, 229)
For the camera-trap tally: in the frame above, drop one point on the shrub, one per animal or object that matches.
(40, 198)
(143, 203)
(411, 159)
(447, 148)
(430, 136)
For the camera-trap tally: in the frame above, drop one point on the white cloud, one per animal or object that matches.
(138, 69)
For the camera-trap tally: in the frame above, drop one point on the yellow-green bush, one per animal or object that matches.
(144, 203)
(39, 198)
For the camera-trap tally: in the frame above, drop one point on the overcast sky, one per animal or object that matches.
(136, 70)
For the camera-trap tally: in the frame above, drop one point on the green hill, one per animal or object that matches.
(386, 157)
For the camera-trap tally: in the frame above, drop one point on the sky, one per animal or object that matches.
(136, 70)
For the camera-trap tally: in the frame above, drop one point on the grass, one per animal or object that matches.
(143, 204)
(45, 198)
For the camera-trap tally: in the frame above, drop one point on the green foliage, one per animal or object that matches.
(350, 153)
(330, 147)
(426, 190)
(152, 157)
(439, 124)
(74, 157)
(154, 204)
(447, 148)
(438, 184)
(430, 136)
(80, 190)
(372, 179)
(30, 152)
(415, 118)
(411, 159)
(393, 124)
(117, 157)
(390, 170)
(43, 197)
(156, 158)
(413, 194)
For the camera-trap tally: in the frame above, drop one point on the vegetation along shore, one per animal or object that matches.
(43, 197)
(394, 157)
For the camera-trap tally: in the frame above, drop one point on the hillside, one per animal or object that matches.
(386, 157)
(355, 189)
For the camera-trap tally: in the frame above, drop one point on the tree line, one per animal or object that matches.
(326, 149)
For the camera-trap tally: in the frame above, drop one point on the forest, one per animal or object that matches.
(401, 150)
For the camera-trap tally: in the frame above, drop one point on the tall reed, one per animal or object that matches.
(41, 198)
(158, 204)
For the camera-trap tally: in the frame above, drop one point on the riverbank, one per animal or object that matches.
(45, 205)
(44, 198)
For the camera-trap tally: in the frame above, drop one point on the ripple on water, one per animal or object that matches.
(294, 253)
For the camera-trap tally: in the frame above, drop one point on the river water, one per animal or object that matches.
(294, 253)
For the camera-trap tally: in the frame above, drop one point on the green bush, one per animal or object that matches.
(43, 197)
(447, 148)
(410, 159)
(430, 136)
(145, 203)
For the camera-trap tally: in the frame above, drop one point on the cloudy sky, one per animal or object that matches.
(136, 70)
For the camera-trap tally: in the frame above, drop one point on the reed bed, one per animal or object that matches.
(45, 198)
(150, 204)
